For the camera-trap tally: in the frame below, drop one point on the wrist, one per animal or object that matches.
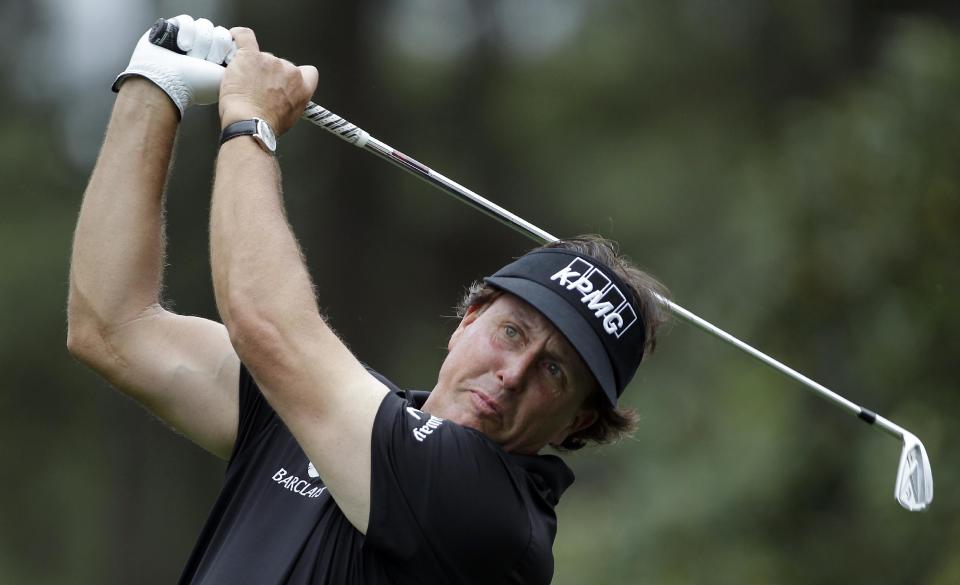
(145, 96)
(143, 89)
(230, 116)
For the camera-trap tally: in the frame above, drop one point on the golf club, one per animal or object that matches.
(914, 483)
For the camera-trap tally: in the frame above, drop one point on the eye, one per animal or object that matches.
(511, 331)
(554, 370)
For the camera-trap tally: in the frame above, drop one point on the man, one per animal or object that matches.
(334, 475)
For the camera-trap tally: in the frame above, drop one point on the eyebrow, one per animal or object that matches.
(527, 316)
(525, 321)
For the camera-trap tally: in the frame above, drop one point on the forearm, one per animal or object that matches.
(264, 294)
(117, 263)
(260, 280)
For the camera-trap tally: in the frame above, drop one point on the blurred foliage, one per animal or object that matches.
(789, 169)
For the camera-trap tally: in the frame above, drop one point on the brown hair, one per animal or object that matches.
(612, 423)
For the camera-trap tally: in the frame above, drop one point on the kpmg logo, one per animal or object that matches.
(599, 294)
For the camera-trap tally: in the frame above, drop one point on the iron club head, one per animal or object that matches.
(914, 488)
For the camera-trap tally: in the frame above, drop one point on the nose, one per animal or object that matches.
(514, 368)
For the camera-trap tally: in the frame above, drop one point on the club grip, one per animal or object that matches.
(164, 33)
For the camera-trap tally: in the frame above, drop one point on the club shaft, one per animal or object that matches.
(465, 195)
(358, 137)
(818, 388)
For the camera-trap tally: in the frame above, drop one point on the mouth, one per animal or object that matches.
(486, 405)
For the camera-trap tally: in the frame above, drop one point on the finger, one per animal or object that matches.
(221, 47)
(186, 31)
(310, 77)
(203, 40)
(244, 38)
(231, 53)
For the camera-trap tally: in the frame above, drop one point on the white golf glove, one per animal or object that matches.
(190, 78)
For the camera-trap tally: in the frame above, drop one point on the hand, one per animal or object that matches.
(259, 85)
(187, 79)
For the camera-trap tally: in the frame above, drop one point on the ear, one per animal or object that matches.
(584, 417)
(473, 311)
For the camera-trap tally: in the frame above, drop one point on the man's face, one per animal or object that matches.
(513, 376)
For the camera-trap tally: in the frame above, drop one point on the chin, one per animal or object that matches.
(469, 421)
(474, 422)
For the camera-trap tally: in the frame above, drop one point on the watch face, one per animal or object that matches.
(266, 135)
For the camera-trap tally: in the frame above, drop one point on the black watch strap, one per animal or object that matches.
(259, 129)
(241, 128)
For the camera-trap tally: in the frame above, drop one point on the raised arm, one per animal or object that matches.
(181, 368)
(264, 293)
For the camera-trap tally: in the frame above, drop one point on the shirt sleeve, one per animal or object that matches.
(443, 502)
(255, 414)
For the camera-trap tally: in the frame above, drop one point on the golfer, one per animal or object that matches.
(334, 475)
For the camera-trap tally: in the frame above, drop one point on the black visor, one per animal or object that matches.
(588, 304)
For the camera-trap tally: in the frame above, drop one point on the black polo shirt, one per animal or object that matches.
(447, 505)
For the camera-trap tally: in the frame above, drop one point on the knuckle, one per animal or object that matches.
(273, 62)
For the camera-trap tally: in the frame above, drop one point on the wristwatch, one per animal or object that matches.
(258, 128)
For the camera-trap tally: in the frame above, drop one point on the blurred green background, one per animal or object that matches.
(788, 168)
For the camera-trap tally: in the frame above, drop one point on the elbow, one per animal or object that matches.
(74, 342)
(80, 333)
(84, 336)
(88, 337)
(253, 337)
(271, 347)
(269, 334)
(84, 343)
(252, 328)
